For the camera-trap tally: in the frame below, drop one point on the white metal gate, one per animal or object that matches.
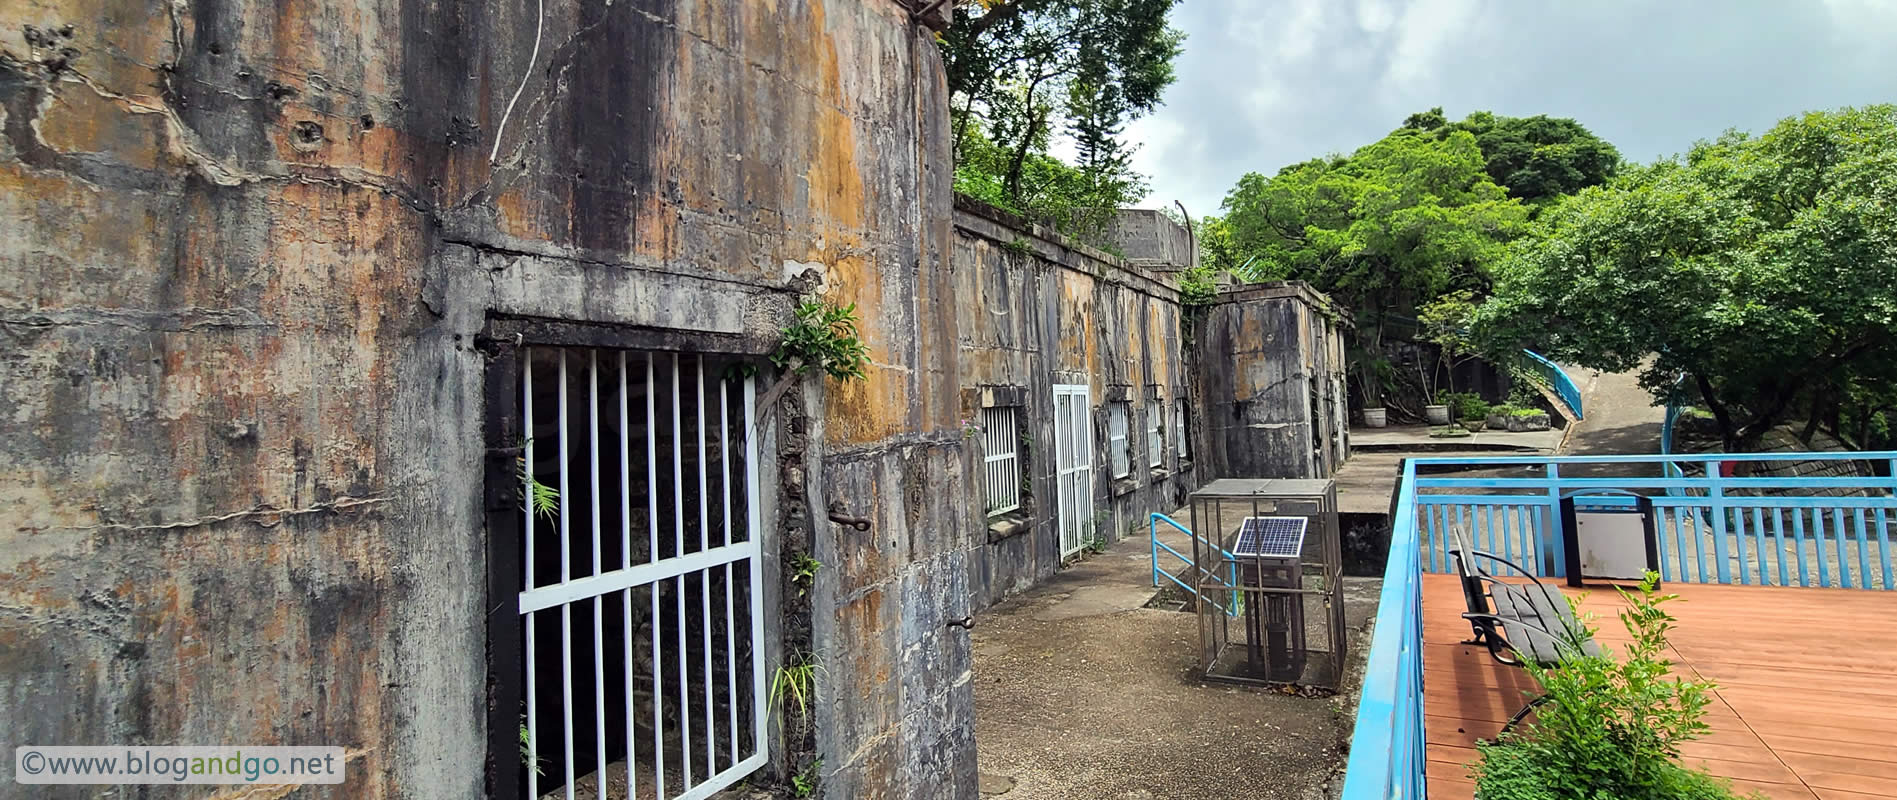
(1073, 452)
(640, 486)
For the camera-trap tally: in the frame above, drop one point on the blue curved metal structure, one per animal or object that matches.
(1564, 386)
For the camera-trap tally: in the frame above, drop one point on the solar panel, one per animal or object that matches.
(1270, 537)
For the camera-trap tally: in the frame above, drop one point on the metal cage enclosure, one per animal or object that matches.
(1269, 618)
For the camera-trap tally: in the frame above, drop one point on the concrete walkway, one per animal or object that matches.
(1621, 420)
(1081, 692)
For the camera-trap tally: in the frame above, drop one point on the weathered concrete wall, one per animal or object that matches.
(245, 250)
(1273, 387)
(1038, 310)
(1151, 240)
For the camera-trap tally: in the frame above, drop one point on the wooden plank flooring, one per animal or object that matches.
(1806, 707)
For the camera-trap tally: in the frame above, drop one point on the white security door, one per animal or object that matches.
(1073, 461)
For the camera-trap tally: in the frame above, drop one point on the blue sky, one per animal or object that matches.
(1264, 83)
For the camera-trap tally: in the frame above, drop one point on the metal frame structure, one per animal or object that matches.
(1217, 511)
(1001, 459)
(1073, 466)
(688, 605)
(1155, 433)
(1119, 437)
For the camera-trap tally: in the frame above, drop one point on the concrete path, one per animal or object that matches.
(1621, 420)
(1082, 692)
(1416, 438)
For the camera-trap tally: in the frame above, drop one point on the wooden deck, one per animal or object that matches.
(1807, 700)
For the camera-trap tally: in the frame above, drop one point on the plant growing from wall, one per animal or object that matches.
(804, 572)
(527, 750)
(1612, 728)
(544, 500)
(822, 337)
(804, 783)
(795, 682)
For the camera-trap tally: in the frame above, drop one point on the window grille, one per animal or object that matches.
(1179, 439)
(1117, 413)
(1155, 434)
(640, 601)
(1000, 444)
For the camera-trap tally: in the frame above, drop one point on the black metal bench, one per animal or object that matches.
(1517, 621)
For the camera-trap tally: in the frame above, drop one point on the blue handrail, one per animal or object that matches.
(1231, 579)
(1386, 748)
(1564, 387)
(1709, 528)
(1722, 531)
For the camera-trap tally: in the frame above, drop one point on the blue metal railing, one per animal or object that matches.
(1710, 528)
(1716, 529)
(1386, 748)
(1564, 387)
(1230, 580)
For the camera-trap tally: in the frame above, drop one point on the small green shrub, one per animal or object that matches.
(1196, 287)
(823, 337)
(804, 783)
(1613, 728)
(543, 499)
(803, 572)
(796, 682)
(1526, 412)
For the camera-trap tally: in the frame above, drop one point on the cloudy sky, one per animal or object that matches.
(1264, 83)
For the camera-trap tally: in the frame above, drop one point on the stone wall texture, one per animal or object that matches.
(246, 250)
(1037, 310)
(1274, 388)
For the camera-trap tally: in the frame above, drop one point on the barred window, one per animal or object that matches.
(1179, 438)
(1155, 433)
(1001, 475)
(1117, 424)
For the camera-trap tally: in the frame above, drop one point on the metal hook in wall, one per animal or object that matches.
(838, 516)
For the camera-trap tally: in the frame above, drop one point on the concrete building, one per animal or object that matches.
(304, 305)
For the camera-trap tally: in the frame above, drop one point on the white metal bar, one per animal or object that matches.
(652, 520)
(754, 524)
(704, 577)
(722, 780)
(625, 555)
(599, 600)
(527, 423)
(731, 635)
(678, 517)
(566, 611)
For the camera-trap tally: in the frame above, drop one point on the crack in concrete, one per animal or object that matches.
(178, 321)
(275, 516)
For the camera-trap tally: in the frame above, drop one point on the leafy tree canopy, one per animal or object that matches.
(1537, 158)
(1763, 268)
(1395, 224)
(1023, 71)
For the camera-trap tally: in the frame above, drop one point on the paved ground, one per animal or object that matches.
(1412, 438)
(1621, 420)
(1082, 693)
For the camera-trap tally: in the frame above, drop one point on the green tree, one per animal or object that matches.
(1396, 224)
(1763, 268)
(1021, 71)
(1537, 158)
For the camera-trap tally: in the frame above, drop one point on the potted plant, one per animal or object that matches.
(1446, 325)
(1474, 424)
(1438, 412)
(1383, 376)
